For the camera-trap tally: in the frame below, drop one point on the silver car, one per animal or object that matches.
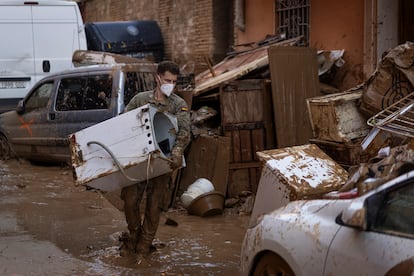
(66, 102)
(368, 235)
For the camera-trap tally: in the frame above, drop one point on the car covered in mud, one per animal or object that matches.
(372, 234)
(66, 102)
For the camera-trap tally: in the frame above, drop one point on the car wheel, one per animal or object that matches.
(5, 150)
(272, 264)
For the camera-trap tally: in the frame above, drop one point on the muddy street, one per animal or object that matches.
(48, 226)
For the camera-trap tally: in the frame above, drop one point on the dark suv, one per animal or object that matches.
(66, 102)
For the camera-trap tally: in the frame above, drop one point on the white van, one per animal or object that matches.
(38, 38)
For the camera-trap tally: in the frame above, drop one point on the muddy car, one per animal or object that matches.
(368, 235)
(66, 102)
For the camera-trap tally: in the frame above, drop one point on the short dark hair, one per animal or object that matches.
(169, 66)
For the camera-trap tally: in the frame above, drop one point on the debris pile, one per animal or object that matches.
(373, 149)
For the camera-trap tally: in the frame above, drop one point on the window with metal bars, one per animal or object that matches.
(293, 18)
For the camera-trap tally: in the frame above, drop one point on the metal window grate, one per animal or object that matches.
(294, 19)
(398, 118)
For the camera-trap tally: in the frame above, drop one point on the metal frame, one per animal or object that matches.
(294, 19)
(398, 118)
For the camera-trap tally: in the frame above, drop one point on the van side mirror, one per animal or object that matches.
(20, 107)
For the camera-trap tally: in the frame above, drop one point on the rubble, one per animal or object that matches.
(236, 66)
(239, 89)
(388, 164)
(392, 80)
(386, 151)
(375, 150)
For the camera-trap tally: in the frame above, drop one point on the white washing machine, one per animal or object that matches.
(130, 148)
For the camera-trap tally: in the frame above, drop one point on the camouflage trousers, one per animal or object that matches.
(142, 231)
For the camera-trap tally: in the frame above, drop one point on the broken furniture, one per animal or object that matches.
(293, 173)
(338, 126)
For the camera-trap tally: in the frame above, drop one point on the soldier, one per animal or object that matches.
(142, 234)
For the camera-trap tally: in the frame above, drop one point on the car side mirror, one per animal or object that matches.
(20, 107)
(355, 215)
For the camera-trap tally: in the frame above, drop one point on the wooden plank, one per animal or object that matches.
(220, 171)
(269, 124)
(231, 75)
(243, 179)
(187, 96)
(239, 181)
(244, 168)
(294, 73)
(235, 146)
(258, 141)
(242, 101)
(244, 165)
(246, 145)
(245, 142)
(253, 179)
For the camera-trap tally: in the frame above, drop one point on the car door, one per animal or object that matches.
(28, 130)
(81, 101)
(387, 247)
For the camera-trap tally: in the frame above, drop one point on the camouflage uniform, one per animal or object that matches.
(142, 234)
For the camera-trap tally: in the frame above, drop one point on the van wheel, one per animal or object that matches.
(272, 264)
(5, 150)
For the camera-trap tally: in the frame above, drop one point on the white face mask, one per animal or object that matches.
(167, 89)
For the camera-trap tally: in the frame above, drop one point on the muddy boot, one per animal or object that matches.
(143, 260)
(143, 252)
(128, 245)
(145, 247)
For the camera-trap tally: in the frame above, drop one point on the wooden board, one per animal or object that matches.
(294, 73)
(246, 140)
(243, 179)
(246, 104)
(244, 167)
(245, 101)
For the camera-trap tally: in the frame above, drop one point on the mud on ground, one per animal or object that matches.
(49, 226)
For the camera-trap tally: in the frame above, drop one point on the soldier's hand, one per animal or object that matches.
(176, 158)
(175, 162)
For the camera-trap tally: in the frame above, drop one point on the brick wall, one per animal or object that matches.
(187, 26)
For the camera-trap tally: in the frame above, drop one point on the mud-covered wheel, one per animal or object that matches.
(272, 264)
(5, 150)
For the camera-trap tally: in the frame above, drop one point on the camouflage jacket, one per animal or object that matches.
(174, 105)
